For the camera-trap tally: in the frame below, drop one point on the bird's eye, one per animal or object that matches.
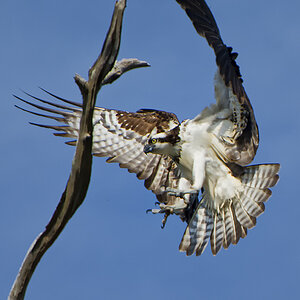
(152, 141)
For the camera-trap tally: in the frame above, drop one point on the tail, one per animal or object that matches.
(230, 222)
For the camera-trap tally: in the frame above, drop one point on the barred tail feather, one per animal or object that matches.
(221, 228)
(242, 212)
(243, 232)
(255, 183)
(230, 222)
(228, 228)
(236, 226)
(243, 217)
(261, 176)
(216, 238)
(253, 208)
(198, 231)
(257, 195)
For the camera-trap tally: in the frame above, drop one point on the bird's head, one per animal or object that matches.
(161, 143)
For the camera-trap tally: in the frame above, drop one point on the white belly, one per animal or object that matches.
(202, 167)
(196, 140)
(220, 183)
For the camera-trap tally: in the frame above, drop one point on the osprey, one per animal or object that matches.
(207, 154)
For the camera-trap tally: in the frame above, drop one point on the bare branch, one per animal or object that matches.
(123, 66)
(78, 182)
(108, 56)
(82, 84)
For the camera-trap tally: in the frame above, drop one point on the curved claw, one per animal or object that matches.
(154, 211)
(164, 221)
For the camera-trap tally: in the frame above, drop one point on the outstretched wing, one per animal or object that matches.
(120, 136)
(230, 93)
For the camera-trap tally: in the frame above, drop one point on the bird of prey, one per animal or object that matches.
(208, 154)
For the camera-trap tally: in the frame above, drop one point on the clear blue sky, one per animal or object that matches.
(112, 249)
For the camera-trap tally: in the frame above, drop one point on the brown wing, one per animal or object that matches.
(244, 146)
(120, 136)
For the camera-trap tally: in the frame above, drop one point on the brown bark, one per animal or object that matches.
(105, 70)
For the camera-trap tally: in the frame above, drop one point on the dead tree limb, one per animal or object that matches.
(122, 66)
(105, 70)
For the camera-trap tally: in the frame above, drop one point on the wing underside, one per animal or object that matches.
(118, 135)
(229, 89)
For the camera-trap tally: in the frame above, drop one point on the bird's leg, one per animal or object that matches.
(160, 211)
(164, 220)
(198, 173)
(198, 170)
(178, 208)
(180, 193)
(185, 193)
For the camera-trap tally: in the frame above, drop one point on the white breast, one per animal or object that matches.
(197, 138)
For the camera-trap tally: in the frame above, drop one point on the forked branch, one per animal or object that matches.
(104, 71)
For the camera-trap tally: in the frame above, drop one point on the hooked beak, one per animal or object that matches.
(148, 148)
